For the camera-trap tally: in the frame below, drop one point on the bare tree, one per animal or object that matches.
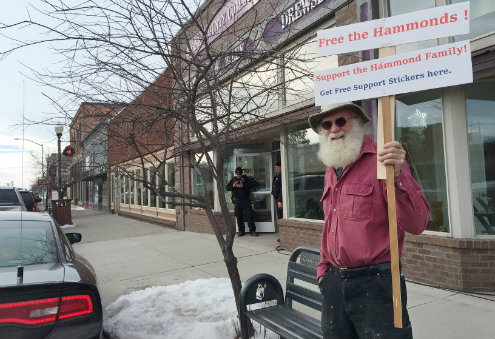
(189, 83)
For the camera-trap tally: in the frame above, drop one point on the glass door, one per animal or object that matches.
(258, 166)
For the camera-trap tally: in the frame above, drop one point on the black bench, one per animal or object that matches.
(281, 318)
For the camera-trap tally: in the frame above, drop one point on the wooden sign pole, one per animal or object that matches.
(384, 106)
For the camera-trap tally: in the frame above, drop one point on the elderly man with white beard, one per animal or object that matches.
(354, 272)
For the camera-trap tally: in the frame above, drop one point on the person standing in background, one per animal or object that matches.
(240, 186)
(277, 190)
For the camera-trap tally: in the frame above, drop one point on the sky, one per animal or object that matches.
(196, 309)
(20, 96)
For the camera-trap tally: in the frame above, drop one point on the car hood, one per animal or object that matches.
(33, 274)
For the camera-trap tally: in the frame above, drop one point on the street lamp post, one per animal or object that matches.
(59, 130)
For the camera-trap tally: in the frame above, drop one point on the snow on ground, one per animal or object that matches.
(195, 309)
(77, 208)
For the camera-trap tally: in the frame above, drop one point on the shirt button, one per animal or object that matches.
(333, 230)
(400, 183)
(336, 188)
(335, 210)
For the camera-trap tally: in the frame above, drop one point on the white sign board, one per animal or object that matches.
(432, 23)
(435, 67)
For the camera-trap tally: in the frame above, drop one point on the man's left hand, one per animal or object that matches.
(393, 154)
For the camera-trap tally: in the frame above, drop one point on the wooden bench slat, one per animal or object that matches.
(288, 322)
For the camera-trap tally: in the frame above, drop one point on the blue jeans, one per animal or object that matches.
(361, 306)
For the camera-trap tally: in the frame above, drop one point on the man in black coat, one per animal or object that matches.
(240, 186)
(277, 190)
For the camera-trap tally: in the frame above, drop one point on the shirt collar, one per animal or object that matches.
(368, 146)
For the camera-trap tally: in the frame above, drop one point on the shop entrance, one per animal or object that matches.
(259, 167)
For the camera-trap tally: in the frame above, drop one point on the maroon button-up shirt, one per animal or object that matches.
(356, 213)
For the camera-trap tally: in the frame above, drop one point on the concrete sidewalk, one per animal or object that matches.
(129, 255)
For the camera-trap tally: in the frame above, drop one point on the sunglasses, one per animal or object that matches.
(327, 125)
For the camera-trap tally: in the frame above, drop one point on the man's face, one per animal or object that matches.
(277, 169)
(336, 122)
(341, 137)
(238, 175)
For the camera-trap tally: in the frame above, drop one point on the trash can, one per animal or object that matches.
(61, 211)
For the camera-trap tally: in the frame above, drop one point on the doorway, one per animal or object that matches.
(259, 167)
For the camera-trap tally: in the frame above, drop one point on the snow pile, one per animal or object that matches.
(203, 308)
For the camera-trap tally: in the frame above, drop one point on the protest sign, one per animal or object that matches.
(435, 67)
(432, 23)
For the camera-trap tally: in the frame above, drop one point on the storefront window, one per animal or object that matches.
(208, 178)
(152, 172)
(306, 174)
(122, 189)
(160, 177)
(145, 190)
(482, 18)
(419, 129)
(139, 186)
(170, 183)
(398, 7)
(133, 197)
(126, 192)
(480, 106)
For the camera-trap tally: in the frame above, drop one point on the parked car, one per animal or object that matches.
(30, 200)
(10, 199)
(306, 191)
(46, 290)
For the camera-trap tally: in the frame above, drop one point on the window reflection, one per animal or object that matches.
(480, 106)
(35, 245)
(306, 174)
(482, 18)
(207, 177)
(170, 183)
(398, 7)
(419, 129)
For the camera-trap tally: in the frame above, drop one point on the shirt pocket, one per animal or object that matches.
(356, 200)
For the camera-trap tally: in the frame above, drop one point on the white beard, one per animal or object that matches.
(342, 152)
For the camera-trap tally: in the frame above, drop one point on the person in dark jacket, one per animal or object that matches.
(240, 186)
(277, 190)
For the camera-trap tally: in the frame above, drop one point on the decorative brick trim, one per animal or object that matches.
(162, 221)
(293, 233)
(456, 263)
(197, 221)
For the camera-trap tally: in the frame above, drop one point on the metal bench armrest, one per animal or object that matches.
(259, 288)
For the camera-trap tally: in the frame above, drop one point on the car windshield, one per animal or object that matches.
(36, 245)
(8, 196)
